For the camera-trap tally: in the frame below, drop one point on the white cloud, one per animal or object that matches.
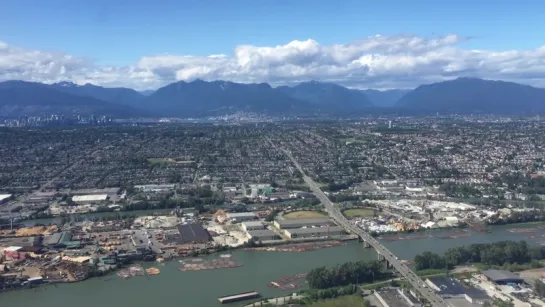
(402, 61)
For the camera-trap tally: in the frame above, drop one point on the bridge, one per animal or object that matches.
(383, 253)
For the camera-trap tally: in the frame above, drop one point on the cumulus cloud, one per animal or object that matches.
(403, 61)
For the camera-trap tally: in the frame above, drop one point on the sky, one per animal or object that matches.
(382, 44)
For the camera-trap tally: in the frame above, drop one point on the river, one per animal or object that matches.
(202, 288)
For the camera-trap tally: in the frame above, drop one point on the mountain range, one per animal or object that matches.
(203, 98)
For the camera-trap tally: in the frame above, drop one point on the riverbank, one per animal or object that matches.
(258, 269)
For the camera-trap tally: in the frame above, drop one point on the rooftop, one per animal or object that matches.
(447, 285)
(262, 233)
(393, 298)
(315, 230)
(252, 223)
(501, 276)
(90, 197)
(193, 232)
(240, 214)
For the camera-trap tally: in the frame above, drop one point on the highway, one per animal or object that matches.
(339, 218)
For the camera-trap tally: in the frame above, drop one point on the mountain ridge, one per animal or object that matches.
(204, 98)
(473, 95)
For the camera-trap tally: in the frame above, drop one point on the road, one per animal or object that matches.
(339, 218)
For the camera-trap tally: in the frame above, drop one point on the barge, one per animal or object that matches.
(238, 297)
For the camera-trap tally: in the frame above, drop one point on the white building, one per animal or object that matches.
(241, 216)
(82, 199)
(252, 225)
(317, 232)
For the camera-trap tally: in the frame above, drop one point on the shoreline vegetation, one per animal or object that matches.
(510, 255)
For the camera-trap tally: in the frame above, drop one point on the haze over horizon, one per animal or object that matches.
(391, 44)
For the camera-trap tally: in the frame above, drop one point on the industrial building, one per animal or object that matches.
(450, 288)
(502, 277)
(317, 232)
(395, 297)
(241, 216)
(61, 240)
(252, 225)
(291, 224)
(107, 191)
(263, 235)
(90, 198)
(193, 233)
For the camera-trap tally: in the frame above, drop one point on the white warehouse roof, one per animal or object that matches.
(86, 198)
(240, 214)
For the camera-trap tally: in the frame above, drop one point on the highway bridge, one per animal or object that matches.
(369, 241)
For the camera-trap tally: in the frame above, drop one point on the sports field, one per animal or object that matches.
(358, 212)
(301, 215)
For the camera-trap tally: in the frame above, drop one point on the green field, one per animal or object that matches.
(301, 215)
(358, 212)
(343, 301)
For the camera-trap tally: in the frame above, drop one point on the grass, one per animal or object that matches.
(301, 215)
(358, 212)
(342, 301)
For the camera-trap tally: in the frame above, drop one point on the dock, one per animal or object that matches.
(238, 297)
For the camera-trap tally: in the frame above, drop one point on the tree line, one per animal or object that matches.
(497, 253)
(346, 274)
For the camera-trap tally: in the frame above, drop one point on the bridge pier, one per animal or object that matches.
(380, 257)
(366, 244)
(388, 265)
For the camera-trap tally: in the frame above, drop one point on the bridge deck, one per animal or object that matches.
(336, 215)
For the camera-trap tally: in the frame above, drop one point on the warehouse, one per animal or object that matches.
(502, 277)
(314, 232)
(53, 239)
(263, 235)
(241, 216)
(395, 297)
(252, 225)
(193, 233)
(450, 288)
(84, 199)
(291, 224)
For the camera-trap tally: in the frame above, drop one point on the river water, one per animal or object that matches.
(202, 288)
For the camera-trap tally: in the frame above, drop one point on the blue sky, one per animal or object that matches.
(120, 33)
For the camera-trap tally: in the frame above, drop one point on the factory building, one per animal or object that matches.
(241, 216)
(62, 240)
(317, 232)
(396, 297)
(502, 277)
(252, 225)
(449, 288)
(291, 224)
(263, 235)
(193, 233)
(90, 198)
